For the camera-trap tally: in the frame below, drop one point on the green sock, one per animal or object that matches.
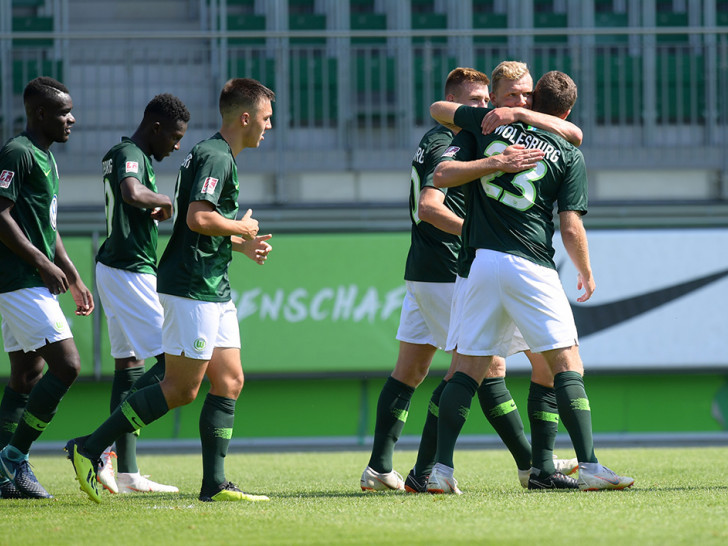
(454, 410)
(42, 405)
(216, 428)
(392, 411)
(12, 407)
(501, 411)
(428, 441)
(126, 443)
(543, 415)
(575, 414)
(152, 376)
(137, 411)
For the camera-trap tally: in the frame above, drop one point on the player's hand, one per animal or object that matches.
(54, 278)
(83, 298)
(497, 117)
(587, 284)
(162, 213)
(517, 158)
(257, 249)
(248, 226)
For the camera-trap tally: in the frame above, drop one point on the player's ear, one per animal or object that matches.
(156, 127)
(244, 119)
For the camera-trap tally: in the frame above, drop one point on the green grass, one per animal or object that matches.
(680, 497)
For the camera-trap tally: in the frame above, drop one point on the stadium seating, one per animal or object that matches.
(483, 20)
(368, 21)
(33, 24)
(314, 93)
(618, 73)
(551, 20)
(249, 21)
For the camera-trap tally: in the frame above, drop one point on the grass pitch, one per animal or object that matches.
(680, 496)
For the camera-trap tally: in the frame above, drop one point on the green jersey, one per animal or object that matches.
(433, 253)
(513, 212)
(28, 178)
(131, 232)
(193, 265)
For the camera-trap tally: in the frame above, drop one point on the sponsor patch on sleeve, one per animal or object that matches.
(132, 167)
(6, 177)
(451, 151)
(209, 185)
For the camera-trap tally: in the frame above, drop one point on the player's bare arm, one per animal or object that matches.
(431, 209)
(256, 249)
(514, 159)
(573, 235)
(13, 237)
(203, 218)
(81, 295)
(443, 112)
(138, 195)
(507, 115)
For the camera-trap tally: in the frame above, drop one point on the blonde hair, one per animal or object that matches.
(461, 75)
(508, 70)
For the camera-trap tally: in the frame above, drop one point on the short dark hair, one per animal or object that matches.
(460, 75)
(167, 107)
(555, 93)
(245, 93)
(44, 89)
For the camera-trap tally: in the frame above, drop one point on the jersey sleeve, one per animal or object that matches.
(434, 154)
(462, 148)
(574, 190)
(470, 118)
(211, 171)
(15, 164)
(129, 163)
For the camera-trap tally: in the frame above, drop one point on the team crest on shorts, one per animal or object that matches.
(199, 344)
(6, 177)
(209, 185)
(132, 167)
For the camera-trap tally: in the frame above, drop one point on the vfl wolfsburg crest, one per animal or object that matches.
(199, 344)
(59, 326)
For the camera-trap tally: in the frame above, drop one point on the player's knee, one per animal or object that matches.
(412, 377)
(182, 397)
(497, 368)
(235, 385)
(68, 370)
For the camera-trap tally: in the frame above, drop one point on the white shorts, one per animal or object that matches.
(517, 344)
(426, 313)
(196, 327)
(455, 312)
(506, 291)
(32, 318)
(134, 315)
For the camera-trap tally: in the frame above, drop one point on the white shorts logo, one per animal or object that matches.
(209, 185)
(132, 167)
(6, 177)
(199, 344)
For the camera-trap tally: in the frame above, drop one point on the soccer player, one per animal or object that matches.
(513, 281)
(126, 269)
(437, 218)
(34, 269)
(200, 335)
(511, 92)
